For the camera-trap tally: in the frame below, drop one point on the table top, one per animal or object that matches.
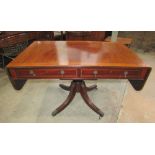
(76, 53)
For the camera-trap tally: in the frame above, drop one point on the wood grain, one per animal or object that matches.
(76, 53)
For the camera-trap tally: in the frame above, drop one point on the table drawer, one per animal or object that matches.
(41, 73)
(110, 73)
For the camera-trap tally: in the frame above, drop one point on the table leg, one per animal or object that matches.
(91, 87)
(83, 92)
(67, 101)
(65, 87)
(78, 86)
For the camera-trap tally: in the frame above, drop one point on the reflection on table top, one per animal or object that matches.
(76, 53)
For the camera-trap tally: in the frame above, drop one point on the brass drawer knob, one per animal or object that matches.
(62, 72)
(32, 73)
(95, 72)
(125, 73)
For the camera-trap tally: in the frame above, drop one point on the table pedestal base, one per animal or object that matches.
(78, 86)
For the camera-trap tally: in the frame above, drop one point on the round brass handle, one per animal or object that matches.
(125, 73)
(95, 72)
(62, 72)
(32, 72)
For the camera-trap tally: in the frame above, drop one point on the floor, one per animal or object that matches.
(119, 101)
(139, 106)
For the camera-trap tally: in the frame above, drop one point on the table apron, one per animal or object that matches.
(78, 73)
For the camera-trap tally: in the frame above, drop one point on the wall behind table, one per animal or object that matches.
(144, 40)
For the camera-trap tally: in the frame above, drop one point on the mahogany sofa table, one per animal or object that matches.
(77, 61)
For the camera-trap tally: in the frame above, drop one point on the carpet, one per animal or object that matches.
(38, 98)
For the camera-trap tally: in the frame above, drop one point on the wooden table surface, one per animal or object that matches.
(76, 53)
